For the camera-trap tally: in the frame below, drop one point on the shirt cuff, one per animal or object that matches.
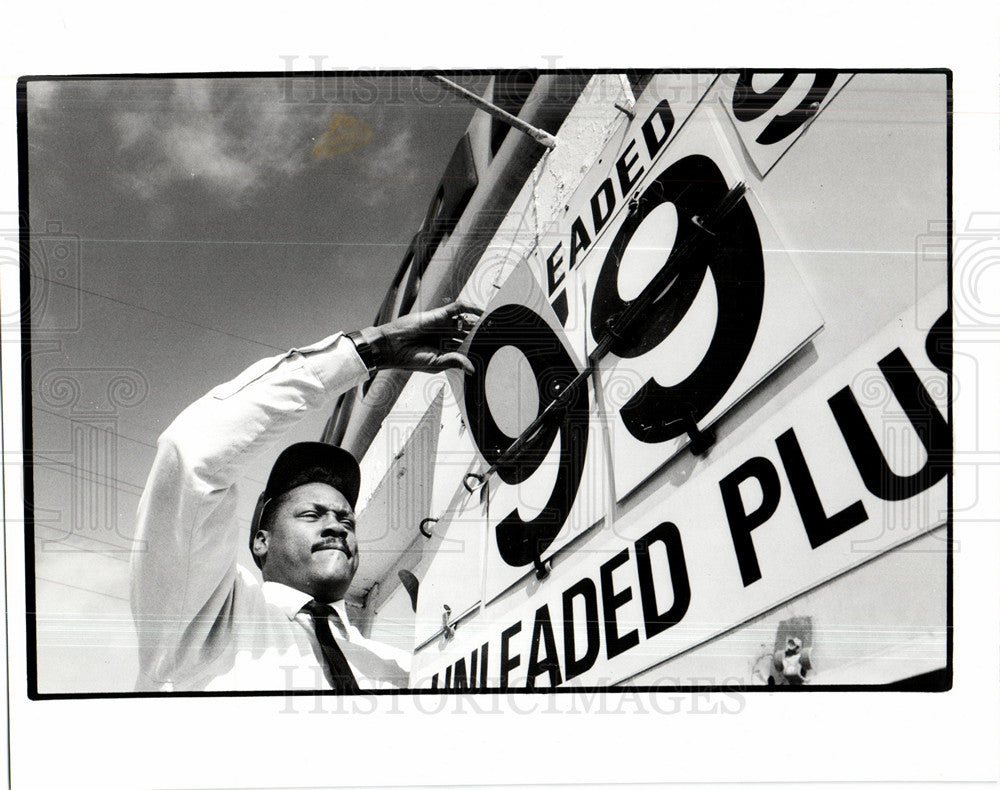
(335, 362)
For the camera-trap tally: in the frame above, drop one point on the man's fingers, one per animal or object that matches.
(461, 306)
(454, 360)
(447, 316)
(464, 322)
(463, 312)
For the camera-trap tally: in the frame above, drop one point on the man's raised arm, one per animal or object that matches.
(184, 566)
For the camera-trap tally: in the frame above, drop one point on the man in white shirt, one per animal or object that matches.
(205, 623)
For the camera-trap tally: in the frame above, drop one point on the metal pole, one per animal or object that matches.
(541, 136)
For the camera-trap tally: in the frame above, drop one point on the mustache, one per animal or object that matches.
(333, 543)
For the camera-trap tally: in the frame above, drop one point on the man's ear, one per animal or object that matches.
(260, 546)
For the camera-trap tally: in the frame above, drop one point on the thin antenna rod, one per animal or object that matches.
(541, 136)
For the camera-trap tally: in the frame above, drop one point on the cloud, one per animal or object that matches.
(234, 137)
(229, 136)
(389, 166)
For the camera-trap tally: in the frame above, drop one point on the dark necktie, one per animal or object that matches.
(343, 678)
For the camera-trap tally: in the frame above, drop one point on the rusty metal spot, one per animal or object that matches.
(344, 133)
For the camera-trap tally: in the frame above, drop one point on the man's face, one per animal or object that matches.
(310, 542)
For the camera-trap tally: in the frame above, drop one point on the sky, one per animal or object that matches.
(185, 229)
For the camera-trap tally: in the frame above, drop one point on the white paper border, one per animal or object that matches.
(831, 736)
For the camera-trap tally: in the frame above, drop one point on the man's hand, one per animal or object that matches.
(424, 341)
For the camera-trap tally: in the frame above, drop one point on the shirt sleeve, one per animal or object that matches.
(183, 566)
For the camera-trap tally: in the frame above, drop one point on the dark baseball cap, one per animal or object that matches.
(308, 462)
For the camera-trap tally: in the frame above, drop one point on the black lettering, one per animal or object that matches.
(930, 426)
(657, 621)
(549, 664)
(552, 265)
(749, 105)
(819, 527)
(507, 661)
(695, 186)
(602, 215)
(461, 675)
(742, 523)
(434, 681)
(473, 661)
(627, 179)
(485, 652)
(560, 306)
(447, 677)
(655, 142)
(579, 241)
(939, 344)
(520, 542)
(586, 589)
(612, 601)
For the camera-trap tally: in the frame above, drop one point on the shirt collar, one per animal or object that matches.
(291, 601)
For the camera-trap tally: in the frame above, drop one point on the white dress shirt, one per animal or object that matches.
(204, 623)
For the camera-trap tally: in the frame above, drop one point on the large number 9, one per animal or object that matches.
(521, 542)
(748, 105)
(732, 253)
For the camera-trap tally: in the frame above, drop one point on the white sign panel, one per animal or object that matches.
(452, 584)
(604, 192)
(736, 310)
(855, 465)
(772, 110)
(456, 454)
